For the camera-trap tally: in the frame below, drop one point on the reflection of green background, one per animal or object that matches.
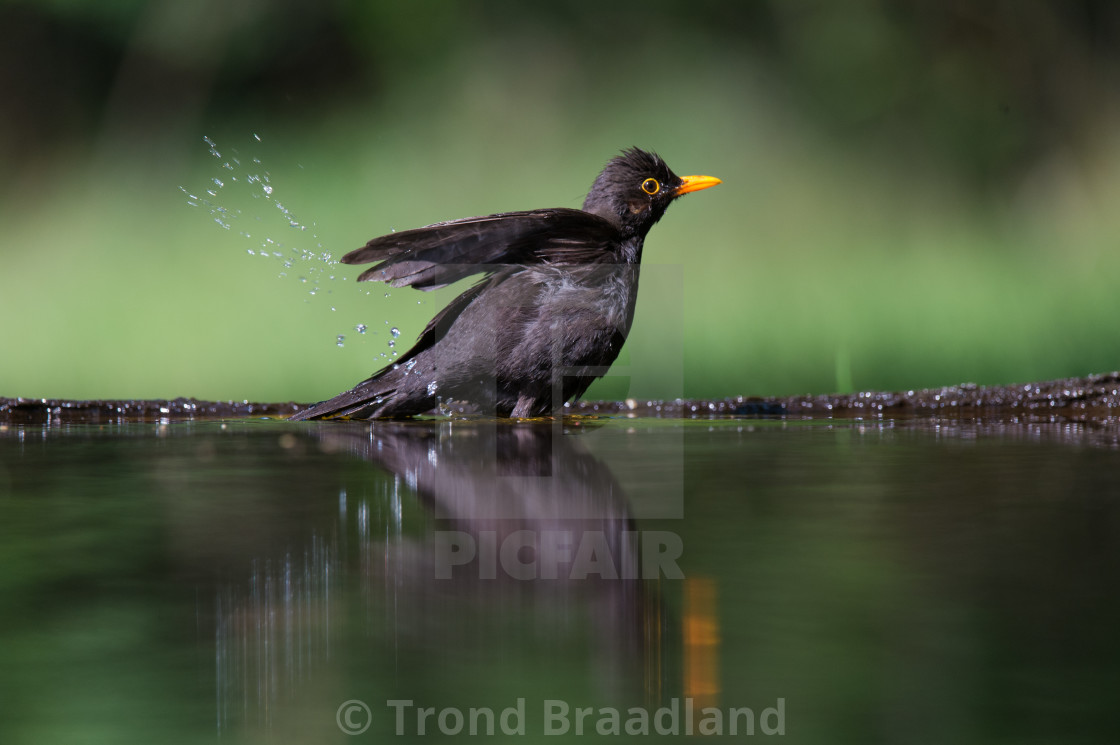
(912, 197)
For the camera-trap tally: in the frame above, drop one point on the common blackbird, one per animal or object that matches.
(549, 315)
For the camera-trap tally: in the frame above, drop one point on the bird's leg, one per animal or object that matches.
(524, 407)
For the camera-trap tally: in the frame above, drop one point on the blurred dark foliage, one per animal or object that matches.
(985, 85)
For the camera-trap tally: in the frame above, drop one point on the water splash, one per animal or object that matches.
(445, 408)
(256, 183)
(244, 185)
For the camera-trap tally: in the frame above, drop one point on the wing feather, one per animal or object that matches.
(437, 255)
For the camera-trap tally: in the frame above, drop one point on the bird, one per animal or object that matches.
(548, 315)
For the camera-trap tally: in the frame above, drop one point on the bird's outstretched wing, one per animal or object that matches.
(437, 255)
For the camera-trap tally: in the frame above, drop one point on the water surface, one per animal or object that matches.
(244, 580)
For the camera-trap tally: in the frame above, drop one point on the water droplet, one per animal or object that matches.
(251, 252)
(432, 388)
(267, 189)
(341, 338)
(360, 328)
(303, 279)
(395, 332)
(256, 137)
(392, 344)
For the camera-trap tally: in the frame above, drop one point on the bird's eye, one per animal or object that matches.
(650, 186)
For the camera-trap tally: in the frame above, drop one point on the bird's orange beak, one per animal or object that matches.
(696, 183)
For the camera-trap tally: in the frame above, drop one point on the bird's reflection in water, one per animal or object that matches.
(521, 511)
(516, 518)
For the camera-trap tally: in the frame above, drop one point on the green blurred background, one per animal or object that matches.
(915, 193)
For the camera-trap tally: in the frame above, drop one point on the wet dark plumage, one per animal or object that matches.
(549, 314)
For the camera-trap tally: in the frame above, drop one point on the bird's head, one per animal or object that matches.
(635, 189)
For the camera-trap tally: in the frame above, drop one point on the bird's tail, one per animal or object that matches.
(385, 395)
(343, 405)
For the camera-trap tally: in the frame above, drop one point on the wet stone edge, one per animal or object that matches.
(1095, 398)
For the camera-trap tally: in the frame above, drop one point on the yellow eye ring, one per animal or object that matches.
(650, 186)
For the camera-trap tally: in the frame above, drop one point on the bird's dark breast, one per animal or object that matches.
(555, 346)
